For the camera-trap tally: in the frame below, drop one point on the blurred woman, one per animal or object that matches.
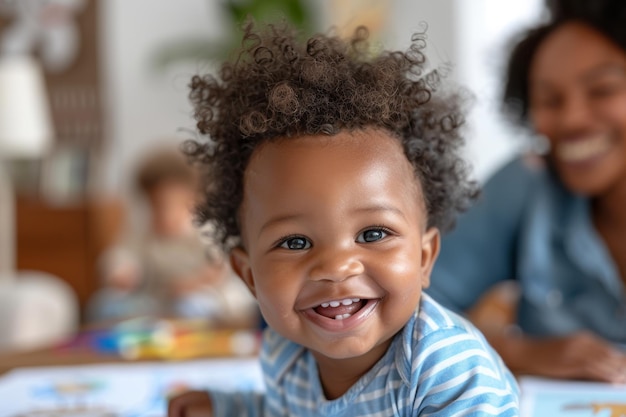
(556, 224)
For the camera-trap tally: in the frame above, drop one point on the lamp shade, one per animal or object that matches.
(25, 123)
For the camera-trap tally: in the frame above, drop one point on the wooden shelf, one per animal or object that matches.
(66, 240)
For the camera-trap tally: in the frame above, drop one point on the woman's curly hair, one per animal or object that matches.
(281, 87)
(605, 16)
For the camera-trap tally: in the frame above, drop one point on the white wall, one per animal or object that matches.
(409, 16)
(482, 40)
(146, 106)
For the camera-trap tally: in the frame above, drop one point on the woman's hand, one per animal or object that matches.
(190, 404)
(580, 355)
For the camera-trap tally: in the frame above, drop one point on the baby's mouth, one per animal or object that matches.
(340, 309)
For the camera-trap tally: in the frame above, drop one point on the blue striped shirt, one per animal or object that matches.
(438, 364)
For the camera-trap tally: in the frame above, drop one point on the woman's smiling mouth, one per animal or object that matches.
(582, 150)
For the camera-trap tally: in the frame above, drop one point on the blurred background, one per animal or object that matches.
(109, 79)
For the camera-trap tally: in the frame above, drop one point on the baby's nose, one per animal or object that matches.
(335, 265)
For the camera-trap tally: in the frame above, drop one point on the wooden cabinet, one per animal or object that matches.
(66, 240)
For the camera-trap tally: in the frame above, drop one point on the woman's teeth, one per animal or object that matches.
(579, 150)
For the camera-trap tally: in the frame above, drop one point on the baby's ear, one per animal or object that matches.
(430, 249)
(240, 262)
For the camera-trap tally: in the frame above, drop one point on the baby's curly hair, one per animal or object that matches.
(281, 87)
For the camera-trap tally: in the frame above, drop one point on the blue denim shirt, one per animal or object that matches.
(526, 226)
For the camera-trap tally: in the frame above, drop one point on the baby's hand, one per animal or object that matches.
(190, 404)
(124, 278)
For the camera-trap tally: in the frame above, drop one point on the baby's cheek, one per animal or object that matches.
(404, 266)
(272, 305)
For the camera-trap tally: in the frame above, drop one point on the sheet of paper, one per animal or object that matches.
(141, 389)
(557, 398)
(118, 390)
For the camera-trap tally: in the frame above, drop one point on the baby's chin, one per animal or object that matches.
(367, 352)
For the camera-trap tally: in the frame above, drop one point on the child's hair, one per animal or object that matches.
(281, 87)
(164, 165)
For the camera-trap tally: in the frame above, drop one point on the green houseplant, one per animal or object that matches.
(296, 12)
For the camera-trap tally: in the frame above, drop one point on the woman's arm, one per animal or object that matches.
(481, 250)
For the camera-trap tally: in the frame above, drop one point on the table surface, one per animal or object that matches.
(54, 357)
(102, 345)
(540, 397)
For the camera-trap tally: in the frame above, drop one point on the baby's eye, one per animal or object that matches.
(371, 235)
(295, 243)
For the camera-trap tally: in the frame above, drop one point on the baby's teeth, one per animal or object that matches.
(342, 316)
(345, 302)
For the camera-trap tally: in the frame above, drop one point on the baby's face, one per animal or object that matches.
(336, 249)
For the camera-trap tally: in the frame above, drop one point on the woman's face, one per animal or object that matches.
(577, 91)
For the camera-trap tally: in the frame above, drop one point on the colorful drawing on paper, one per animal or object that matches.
(551, 398)
(124, 390)
(615, 409)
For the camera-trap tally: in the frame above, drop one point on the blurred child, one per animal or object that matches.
(333, 170)
(168, 270)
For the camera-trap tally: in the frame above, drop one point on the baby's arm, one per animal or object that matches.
(190, 404)
(216, 404)
(193, 281)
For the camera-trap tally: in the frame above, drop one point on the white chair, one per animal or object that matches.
(36, 310)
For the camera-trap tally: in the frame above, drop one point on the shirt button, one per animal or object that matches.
(554, 298)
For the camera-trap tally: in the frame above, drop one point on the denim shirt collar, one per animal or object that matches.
(586, 248)
(582, 243)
